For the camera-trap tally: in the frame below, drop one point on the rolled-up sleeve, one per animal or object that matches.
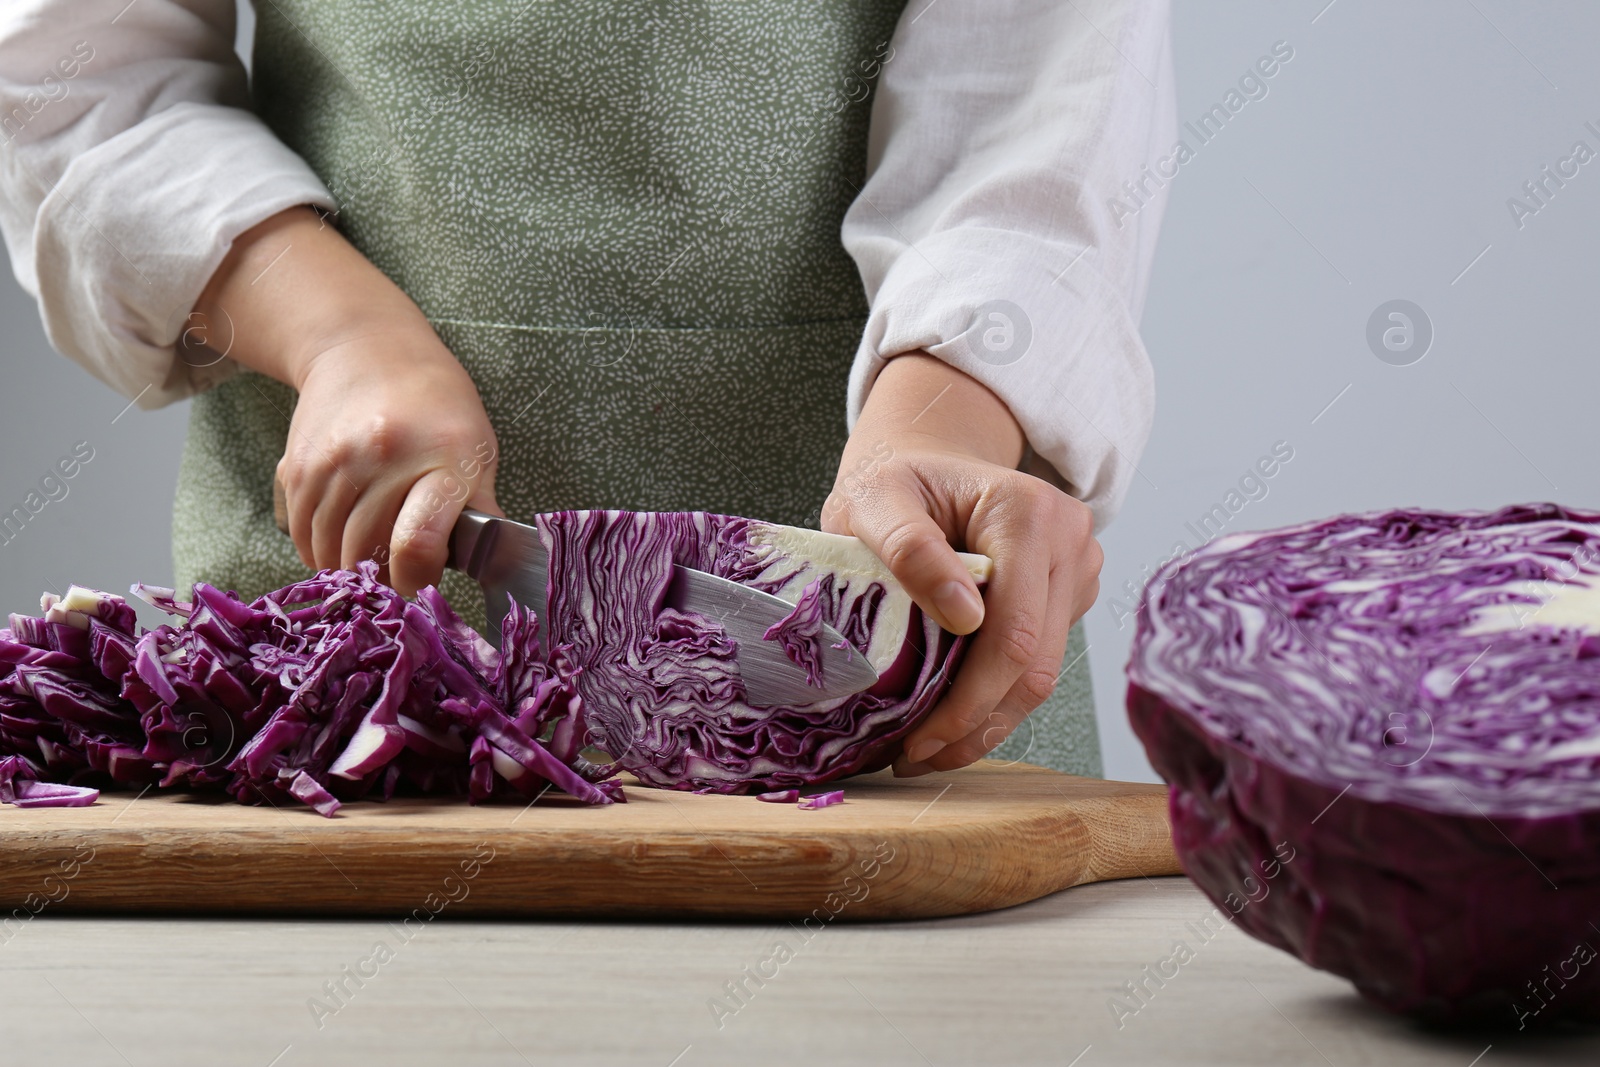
(1008, 222)
(130, 162)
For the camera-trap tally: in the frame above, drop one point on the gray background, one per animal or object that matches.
(1377, 167)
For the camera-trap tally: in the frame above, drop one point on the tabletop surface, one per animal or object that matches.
(1034, 984)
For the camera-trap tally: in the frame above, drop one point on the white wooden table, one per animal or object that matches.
(1031, 985)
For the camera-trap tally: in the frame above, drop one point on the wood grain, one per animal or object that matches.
(989, 836)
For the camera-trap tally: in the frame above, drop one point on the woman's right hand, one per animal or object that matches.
(389, 439)
(388, 442)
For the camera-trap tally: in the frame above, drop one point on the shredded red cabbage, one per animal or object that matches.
(20, 785)
(321, 692)
(61, 712)
(781, 796)
(822, 800)
(799, 633)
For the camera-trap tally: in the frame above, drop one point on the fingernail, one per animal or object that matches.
(923, 750)
(959, 604)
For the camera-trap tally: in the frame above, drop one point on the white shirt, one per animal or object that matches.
(1001, 136)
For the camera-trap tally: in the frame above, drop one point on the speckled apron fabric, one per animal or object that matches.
(623, 218)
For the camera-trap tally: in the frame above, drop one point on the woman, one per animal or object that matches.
(531, 256)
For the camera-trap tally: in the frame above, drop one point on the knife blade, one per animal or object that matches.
(508, 559)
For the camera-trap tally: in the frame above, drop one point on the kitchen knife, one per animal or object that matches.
(507, 558)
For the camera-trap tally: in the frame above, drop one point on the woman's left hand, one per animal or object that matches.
(932, 463)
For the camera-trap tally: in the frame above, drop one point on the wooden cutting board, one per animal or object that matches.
(988, 836)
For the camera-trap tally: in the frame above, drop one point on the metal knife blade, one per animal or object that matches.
(508, 559)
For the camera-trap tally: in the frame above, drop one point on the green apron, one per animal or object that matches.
(623, 218)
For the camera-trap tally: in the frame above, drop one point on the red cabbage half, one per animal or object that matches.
(1410, 701)
(662, 687)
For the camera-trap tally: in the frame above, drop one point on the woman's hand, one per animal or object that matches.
(389, 439)
(932, 462)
